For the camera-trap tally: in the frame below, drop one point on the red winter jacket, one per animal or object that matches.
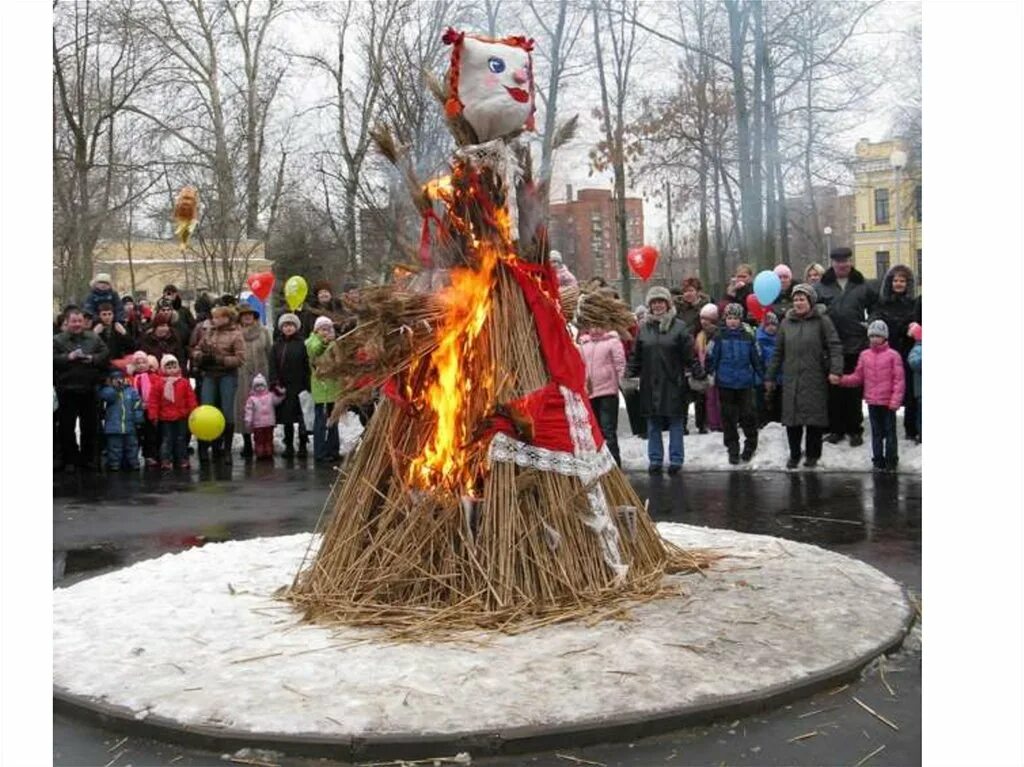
(880, 371)
(159, 409)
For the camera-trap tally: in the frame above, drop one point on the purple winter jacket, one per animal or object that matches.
(880, 371)
(605, 360)
(259, 409)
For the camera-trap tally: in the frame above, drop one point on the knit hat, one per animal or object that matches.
(841, 254)
(734, 310)
(658, 293)
(770, 318)
(781, 270)
(288, 317)
(914, 331)
(322, 322)
(139, 357)
(259, 382)
(878, 328)
(555, 257)
(709, 312)
(808, 290)
(167, 358)
(101, 277)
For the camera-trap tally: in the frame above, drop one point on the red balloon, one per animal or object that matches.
(261, 284)
(754, 308)
(642, 261)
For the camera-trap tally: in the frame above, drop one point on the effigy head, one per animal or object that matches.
(490, 83)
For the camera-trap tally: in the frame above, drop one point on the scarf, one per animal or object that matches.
(169, 382)
(664, 321)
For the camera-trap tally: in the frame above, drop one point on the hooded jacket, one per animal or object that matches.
(807, 350)
(848, 309)
(123, 411)
(897, 310)
(605, 360)
(324, 390)
(159, 408)
(734, 358)
(880, 371)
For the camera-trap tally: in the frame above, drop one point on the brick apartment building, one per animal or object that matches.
(583, 230)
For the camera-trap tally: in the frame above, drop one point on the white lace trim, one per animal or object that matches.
(585, 462)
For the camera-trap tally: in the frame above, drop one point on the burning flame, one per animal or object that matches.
(457, 376)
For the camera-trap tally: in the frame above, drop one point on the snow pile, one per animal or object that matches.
(198, 637)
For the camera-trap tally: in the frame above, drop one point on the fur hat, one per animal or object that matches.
(322, 322)
(101, 277)
(914, 331)
(322, 285)
(709, 312)
(770, 318)
(693, 282)
(288, 317)
(170, 288)
(878, 328)
(245, 309)
(223, 311)
(781, 270)
(841, 254)
(167, 358)
(259, 382)
(734, 310)
(658, 293)
(808, 290)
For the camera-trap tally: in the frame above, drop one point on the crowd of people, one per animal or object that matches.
(824, 346)
(127, 375)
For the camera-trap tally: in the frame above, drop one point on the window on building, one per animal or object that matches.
(917, 203)
(881, 263)
(919, 278)
(881, 206)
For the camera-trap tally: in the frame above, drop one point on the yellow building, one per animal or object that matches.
(887, 207)
(155, 263)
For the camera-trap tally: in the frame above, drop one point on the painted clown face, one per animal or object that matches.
(493, 85)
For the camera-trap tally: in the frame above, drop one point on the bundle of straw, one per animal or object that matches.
(598, 309)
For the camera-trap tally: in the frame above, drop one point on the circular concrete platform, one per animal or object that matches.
(193, 647)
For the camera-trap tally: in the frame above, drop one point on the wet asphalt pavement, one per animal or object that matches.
(102, 523)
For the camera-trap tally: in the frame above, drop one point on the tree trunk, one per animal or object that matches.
(551, 112)
(749, 234)
(759, 254)
(719, 243)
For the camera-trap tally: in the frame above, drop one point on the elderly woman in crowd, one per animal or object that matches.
(807, 351)
(257, 360)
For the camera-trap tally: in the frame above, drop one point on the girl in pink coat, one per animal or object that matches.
(260, 416)
(606, 364)
(880, 371)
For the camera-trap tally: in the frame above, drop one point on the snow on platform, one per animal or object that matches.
(198, 638)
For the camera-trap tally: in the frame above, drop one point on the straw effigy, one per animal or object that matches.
(449, 515)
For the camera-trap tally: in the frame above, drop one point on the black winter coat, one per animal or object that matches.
(289, 369)
(117, 345)
(662, 358)
(849, 309)
(77, 375)
(158, 347)
(897, 311)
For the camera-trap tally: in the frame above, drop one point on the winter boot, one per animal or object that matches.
(247, 451)
(204, 452)
(227, 439)
(793, 461)
(749, 447)
(856, 440)
(303, 438)
(289, 436)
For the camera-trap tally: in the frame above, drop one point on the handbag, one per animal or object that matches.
(308, 409)
(701, 384)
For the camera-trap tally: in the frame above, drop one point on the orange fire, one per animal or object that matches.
(458, 377)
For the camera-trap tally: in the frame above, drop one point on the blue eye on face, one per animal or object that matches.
(496, 65)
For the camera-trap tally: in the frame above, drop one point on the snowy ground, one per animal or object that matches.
(198, 637)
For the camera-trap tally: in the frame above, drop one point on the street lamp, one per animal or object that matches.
(898, 161)
(828, 240)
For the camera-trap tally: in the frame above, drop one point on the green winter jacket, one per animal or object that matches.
(324, 390)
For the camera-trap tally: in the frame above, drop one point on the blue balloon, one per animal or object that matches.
(767, 287)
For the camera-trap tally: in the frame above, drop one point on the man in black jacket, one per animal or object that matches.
(850, 299)
(79, 361)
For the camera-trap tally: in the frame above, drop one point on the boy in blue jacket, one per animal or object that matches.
(122, 413)
(735, 360)
(769, 405)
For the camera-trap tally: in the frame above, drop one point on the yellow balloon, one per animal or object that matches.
(295, 290)
(206, 422)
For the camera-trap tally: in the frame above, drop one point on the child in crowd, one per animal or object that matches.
(769, 407)
(605, 362)
(326, 447)
(143, 369)
(101, 292)
(171, 401)
(880, 371)
(735, 360)
(121, 415)
(706, 411)
(914, 361)
(260, 417)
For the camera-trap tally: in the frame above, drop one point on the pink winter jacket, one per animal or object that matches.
(605, 360)
(880, 371)
(259, 409)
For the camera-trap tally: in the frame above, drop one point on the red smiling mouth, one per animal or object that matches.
(518, 94)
